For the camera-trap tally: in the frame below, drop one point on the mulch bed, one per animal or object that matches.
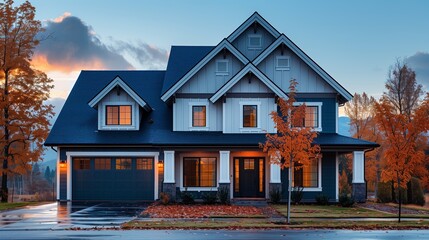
(200, 211)
(391, 209)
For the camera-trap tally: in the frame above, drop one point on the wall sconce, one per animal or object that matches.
(160, 163)
(63, 163)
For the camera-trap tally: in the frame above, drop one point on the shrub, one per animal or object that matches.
(187, 197)
(415, 192)
(209, 197)
(384, 192)
(346, 200)
(165, 198)
(297, 194)
(223, 195)
(322, 199)
(275, 195)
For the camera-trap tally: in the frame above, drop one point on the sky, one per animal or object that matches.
(354, 41)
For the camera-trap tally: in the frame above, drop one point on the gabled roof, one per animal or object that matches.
(283, 39)
(234, 80)
(224, 44)
(251, 20)
(180, 61)
(117, 81)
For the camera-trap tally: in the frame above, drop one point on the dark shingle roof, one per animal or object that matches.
(181, 60)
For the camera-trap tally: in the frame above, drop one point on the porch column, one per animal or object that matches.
(224, 179)
(275, 178)
(359, 186)
(169, 184)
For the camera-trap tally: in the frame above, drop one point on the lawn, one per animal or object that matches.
(10, 206)
(330, 211)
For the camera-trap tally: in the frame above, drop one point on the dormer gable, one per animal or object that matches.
(119, 106)
(248, 72)
(224, 44)
(253, 36)
(285, 44)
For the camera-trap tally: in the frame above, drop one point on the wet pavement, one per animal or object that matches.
(58, 216)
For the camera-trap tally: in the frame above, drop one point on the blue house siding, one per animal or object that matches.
(328, 180)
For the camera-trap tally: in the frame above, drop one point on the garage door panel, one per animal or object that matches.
(113, 184)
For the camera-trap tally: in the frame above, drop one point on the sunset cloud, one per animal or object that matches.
(419, 62)
(71, 45)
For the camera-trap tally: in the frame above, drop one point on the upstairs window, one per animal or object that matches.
(312, 118)
(282, 63)
(254, 41)
(198, 116)
(118, 115)
(250, 113)
(222, 67)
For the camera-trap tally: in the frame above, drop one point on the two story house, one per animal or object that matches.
(129, 135)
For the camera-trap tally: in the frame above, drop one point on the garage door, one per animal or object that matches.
(113, 179)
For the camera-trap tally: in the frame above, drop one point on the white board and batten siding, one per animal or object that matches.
(242, 42)
(207, 80)
(113, 98)
(308, 80)
(233, 115)
(182, 111)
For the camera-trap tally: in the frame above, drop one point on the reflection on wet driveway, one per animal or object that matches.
(70, 215)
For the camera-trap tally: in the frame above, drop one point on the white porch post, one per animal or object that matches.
(224, 167)
(358, 167)
(275, 173)
(169, 167)
(359, 186)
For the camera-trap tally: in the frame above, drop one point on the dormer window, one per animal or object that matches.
(119, 115)
(282, 63)
(254, 41)
(222, 67)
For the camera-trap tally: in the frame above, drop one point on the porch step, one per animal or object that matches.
(250, 202)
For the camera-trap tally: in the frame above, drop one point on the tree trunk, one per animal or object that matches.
(289, 191)
(4, 189)
(399, 199)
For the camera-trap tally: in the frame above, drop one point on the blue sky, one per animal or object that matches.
(354, 41)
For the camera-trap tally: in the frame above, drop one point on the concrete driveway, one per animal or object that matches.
(70, 215)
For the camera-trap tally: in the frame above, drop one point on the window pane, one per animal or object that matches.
(222, 66)
(123, 163)
(282, 62)
(81, 163)
(144, 163)
(199, 172)
(125, 115)
(311, 116)
(198, 116)
(250, 115)
(306, 175)
(112, 115)
(102, 164)
(249, 164)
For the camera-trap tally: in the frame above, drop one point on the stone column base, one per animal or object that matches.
(227, 187)
(359, 192)
(274, 188)
(170, 189)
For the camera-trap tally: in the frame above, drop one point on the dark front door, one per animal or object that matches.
(249, 177)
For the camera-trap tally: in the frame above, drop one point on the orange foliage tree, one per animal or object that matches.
(402, 133)
(293, 142)
(24, 118)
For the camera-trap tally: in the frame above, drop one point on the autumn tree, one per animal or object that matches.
(360, 111)
(292, 146)
(24, 118)
(402, 133)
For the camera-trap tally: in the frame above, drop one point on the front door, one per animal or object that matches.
(249, 177)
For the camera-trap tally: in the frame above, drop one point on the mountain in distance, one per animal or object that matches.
(344, 126)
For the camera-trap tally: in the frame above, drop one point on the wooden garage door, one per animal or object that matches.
(113, 179)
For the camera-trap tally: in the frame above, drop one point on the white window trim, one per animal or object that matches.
(199, 189)
(319, 112)
(282, 68)
(222, 73)
(319, 179)
(202, 103)
(257, 129)
(135, 113)
(254, 47)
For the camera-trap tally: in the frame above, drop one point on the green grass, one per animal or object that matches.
(264, 223)
(11, 206)
(330, 211)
